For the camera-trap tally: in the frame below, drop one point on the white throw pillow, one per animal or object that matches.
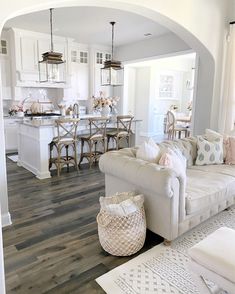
(148, 151)
(211, 135)
(209, 152)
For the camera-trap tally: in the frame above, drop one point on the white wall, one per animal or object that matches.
(142, 97)
(200, 23)
(2, 281)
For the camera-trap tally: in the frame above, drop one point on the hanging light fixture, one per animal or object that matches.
(52, 66)
(112, 72)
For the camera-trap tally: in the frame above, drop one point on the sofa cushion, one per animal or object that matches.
(206, 188)
(223, 169)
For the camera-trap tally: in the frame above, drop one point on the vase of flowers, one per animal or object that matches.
(105, 110)
(103, 104)
(16, 110)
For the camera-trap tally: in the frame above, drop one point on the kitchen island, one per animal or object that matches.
(34, 137)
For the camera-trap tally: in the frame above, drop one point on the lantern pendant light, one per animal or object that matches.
(112, 72)
(52, 66)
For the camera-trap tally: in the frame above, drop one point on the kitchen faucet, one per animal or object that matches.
(76, 110)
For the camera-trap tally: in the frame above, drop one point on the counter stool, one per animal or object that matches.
(123, 131)
(96, 136)
(214, 259)
(66, 137)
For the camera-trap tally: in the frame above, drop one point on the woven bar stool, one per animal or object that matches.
(66, 137)
(122, 133)
(93, 140)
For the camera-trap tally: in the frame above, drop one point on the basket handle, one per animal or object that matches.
(100, 221)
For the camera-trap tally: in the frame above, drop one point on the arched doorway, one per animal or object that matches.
(205, 83)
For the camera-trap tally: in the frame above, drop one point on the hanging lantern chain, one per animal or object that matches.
(112, 23)
(51, 26)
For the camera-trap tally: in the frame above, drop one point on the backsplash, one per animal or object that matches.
(53, 95)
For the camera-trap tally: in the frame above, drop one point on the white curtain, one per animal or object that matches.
(227, 117)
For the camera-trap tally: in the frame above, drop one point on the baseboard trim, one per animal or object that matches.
(6, 220)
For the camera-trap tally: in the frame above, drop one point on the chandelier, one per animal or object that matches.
(112, 72)
(52, 66)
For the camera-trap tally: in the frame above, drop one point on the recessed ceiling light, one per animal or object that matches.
(147, 34)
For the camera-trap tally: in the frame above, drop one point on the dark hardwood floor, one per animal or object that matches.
(52, 245)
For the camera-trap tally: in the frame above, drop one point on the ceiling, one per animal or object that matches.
(189, 58)
(90, 25)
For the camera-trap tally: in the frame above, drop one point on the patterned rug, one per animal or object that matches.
(164, 269)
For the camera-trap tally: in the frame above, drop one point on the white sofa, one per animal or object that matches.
(173, 205)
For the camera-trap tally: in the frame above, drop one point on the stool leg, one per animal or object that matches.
(59, 161)
(90, 153)
(108, 138)
(81, 155)
(75, 155)
(67, 156)
(51, 155)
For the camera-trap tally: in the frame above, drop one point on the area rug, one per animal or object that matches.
(13, 157)
(164, 269)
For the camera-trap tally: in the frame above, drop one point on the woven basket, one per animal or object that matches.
(122, 235)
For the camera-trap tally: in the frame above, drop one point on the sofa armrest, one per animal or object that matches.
(151, 176)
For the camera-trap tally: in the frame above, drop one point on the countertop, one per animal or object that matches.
(45, 122)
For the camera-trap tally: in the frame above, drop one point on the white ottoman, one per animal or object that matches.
(214, 259)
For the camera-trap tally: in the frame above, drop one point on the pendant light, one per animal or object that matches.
(52, 66)
(112, 72)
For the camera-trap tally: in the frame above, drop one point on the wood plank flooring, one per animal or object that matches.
(53, 245)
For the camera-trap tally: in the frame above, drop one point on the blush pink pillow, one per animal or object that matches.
(166, 160)
(230, 150)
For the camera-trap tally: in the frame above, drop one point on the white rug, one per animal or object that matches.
(162, 269)
(13, 157)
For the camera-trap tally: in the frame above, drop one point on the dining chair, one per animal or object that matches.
(94, 139)
(66, 137)
(121, 133)
(173, 128)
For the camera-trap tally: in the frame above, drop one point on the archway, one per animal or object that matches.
(205, 83)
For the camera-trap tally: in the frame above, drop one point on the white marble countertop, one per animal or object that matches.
(50, 122)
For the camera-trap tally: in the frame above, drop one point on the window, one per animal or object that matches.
(99, 58)
(3, 49)
(166, 87)
(107, 56)
(83, 57)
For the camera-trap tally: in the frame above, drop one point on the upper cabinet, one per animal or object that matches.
(100, 57)
(20, 64)
(26, 50)
(5, 68)
(79, 72)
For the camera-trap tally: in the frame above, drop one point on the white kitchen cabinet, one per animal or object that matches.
(11, 134)
(28, 54)
(79, 74)
(6, 78)
(5, 67)
(26, 51)
(99, 58)
(79, 81)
